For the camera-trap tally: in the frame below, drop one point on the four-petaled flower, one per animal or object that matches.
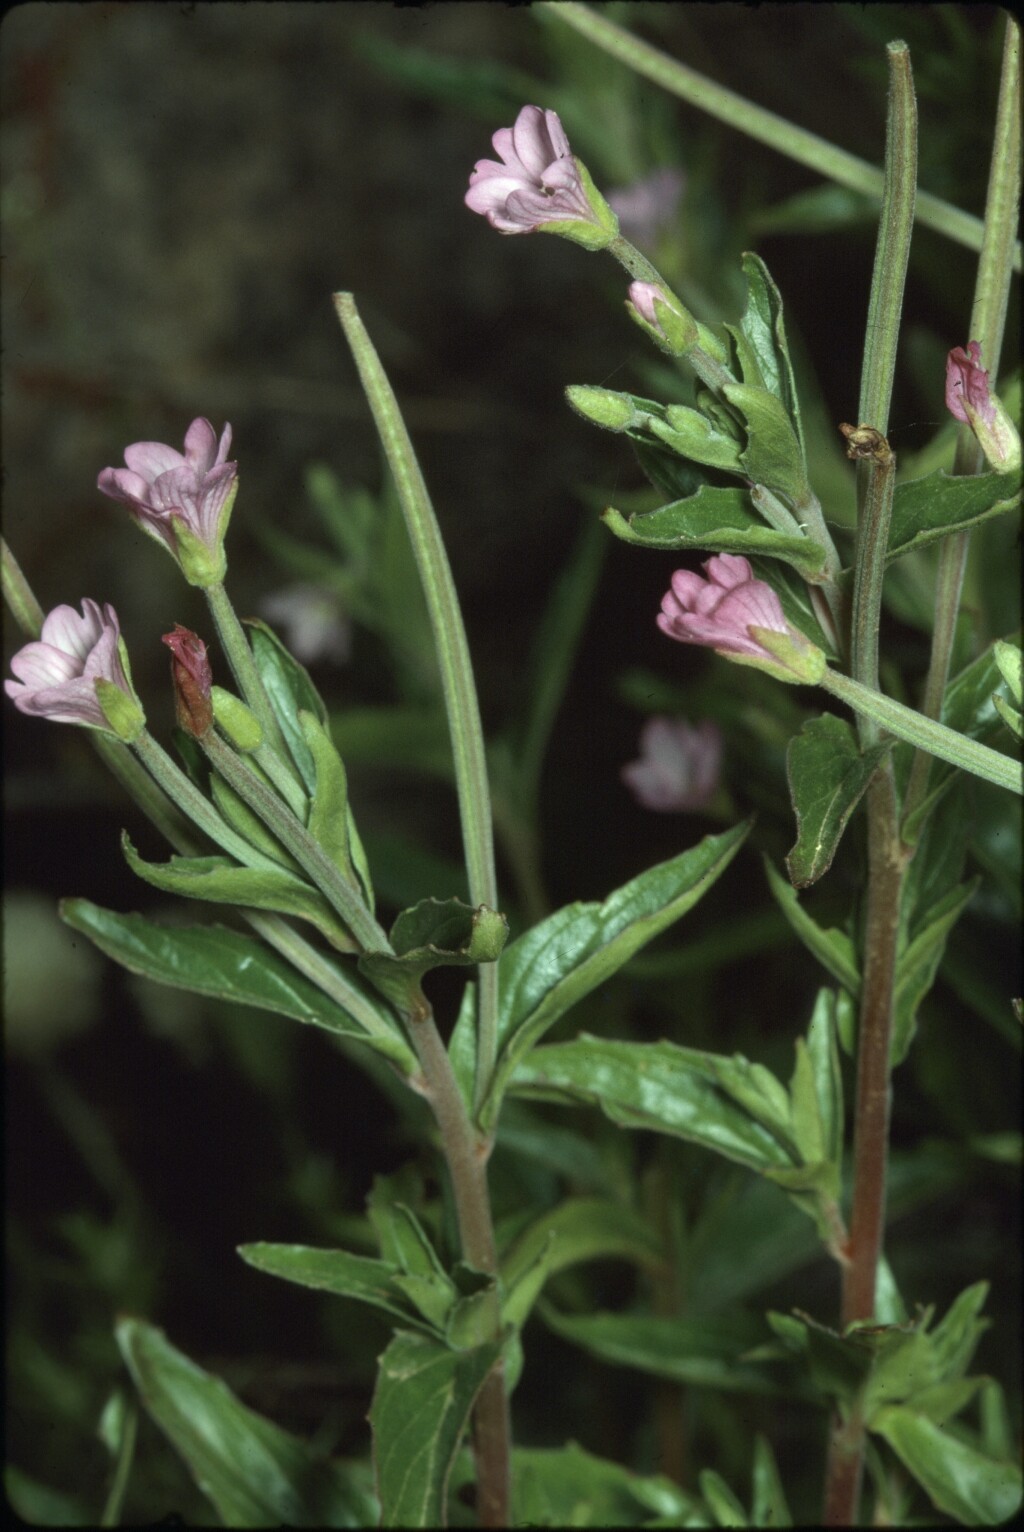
(182, 499)
(678, 766)
(739, 617)
(969, 399)
(77, 672)
(539, 184)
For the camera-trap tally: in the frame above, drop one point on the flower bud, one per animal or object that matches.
(660, 315)
(192, 678)
(603, 407)
(969, 399)
(234, 719)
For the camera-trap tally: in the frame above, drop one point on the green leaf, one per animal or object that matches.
(435, 933)
(420, 1408)
(580, 1229)
(924, 510)
(956, 1336)
(917, 966)
(764, 330)
(240, 817)
(211, 960)
(568, 1487)
(726, 1508)
(833, 949)
(289, 688)
(706, 1353)
(769, 1507)
(330, 817)
(222, 881)
(693, 436)
(839, 1365)
(827, 778)
(826, 1070)
(337, 1271)
(666, 1089)
(254, 1473)
(720, 520)
(773, 455)
(563, 958)
(420, 1275)
(977, 1490)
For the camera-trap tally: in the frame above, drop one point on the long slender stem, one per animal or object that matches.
(460, 697)
(876, 480)
(757, 123)
(988, 321)
(246, 672)
(466, 1154)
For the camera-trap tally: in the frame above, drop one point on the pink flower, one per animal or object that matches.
(969, 399)
(193, 681)
(539, 183)
(739, 617)
(182, 499)
(646, 207)
(678, 766)
(76, 662)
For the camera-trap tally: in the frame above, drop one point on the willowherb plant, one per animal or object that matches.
(261, 823)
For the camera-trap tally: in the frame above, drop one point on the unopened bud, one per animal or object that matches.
(192, 678)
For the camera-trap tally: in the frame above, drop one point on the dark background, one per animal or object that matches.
(183, 188)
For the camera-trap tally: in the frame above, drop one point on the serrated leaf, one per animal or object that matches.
(254, 1473)
(827, 778)
(661, 1087)
(421, 1405)
(773, 455)
(436, 933)
(976, 1490)
(221, 881)
(211, 960)
(924, 510)
(580, 1229)
(563, 958)
(718, 520)
(705, 1353)
(833, 949)
(336, 1271)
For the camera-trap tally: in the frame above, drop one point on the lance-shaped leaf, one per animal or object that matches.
(827, 779)
(255, 1474)
(419, 1275)
(436, 933)
(719, 520)
(222, 881)
(566, 956)
(726, 1104)
(761, 340)
(917, 966)
(978, 1491)
(421, 1405)
(330, 817)
(211, 960)
(289, 688)
(773, 454)
(924, 510)
(581, 1229)
(704, 1352)
(340, 1272)
(833, 949)
(568, 1487)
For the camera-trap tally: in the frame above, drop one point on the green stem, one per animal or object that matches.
(295, 838)
(466, 1155)
(988, 321)
(876, 481)
(244, 668)
(460, 697)
(736, 112)
(945, 744)
(18, 594)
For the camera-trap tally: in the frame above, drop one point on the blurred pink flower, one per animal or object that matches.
(970, 400)
(649, 205)
(678, 766)
(314, 622)
(165, 489)
(729, 611)
(58, 673)
(538, 181)
(193, 680)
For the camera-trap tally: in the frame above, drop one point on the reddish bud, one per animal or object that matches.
(192, 678)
